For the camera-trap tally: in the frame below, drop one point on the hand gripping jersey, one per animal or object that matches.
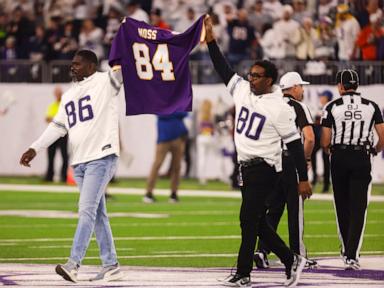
(155, 66)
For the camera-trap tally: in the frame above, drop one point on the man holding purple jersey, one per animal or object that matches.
(155, 67)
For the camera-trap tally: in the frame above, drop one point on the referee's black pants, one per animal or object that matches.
(351, 178)
(258, 182)
(286, 193)
(62, 144)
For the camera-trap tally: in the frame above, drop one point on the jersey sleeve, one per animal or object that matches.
(377, 116)
(60, 119)
(117, 46)
(54, 131)
(327, 117)
(238, 87)
(285, 125)
(116, 78)
(304, 117)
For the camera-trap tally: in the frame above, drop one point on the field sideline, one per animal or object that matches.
(199, 232)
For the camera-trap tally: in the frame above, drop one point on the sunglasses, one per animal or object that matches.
(255, 76)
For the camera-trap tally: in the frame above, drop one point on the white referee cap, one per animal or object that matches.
(291, 79)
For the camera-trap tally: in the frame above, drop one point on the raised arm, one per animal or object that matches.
(218, 60)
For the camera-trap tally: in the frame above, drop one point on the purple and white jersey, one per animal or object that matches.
(155, 66)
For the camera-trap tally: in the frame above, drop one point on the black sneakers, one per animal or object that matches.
(261, 259)
(237, 281)
(294, 272)
(311, 264)
(351, 264)
(148, 198)
(173, 198)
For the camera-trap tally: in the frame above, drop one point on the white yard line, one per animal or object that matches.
(141, 191)
(170, 255)
(172, 224)
(173, 238)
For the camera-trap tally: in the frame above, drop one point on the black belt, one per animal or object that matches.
(252, 162)
(348, 147)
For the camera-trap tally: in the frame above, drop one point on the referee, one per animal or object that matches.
(347, 135)
(286, 191)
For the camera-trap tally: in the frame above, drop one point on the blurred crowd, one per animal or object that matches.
(246, 29)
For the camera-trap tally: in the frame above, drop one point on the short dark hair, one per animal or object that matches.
(269, 67)
(348, 78)
(88, 55)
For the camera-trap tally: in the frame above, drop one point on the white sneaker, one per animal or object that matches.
(294, 274)
(148, 198)
(261, 260)
(68, 271)
(109, 273)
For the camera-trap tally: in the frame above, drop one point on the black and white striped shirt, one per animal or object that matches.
(351, 118)
(303, 116)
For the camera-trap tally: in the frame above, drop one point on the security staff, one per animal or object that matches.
(263, 119)
(347, 134)
(286, 191)
(60, 143)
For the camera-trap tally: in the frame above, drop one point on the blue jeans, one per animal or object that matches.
(92, 178)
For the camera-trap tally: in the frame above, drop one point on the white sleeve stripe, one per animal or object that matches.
(113, 80)
(232, 89)
(307, 113)
(289, 135)
(60, 125)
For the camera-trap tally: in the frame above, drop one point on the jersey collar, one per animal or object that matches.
(86, 79)
(350, 93)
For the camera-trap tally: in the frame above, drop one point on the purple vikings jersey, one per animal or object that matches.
(155, 66)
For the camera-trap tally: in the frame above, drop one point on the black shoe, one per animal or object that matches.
(352, 264)
(237, 280)
(173, 198)
(311, 264)
(261, 259)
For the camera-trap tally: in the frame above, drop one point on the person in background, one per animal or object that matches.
(134, 11)
(347, 29)
(204, 139)
(60, 143)
(325, 40)
(91, 37)
(324, 97)
(369, 37)
(157, 21)
(242, 38)
(171, 135)
(258, 17)
(286, 28)
(285, 193)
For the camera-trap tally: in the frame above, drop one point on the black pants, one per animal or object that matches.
(258, 181)
(61, 144)
(351, 178)
(286, 193)
(325, 157)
